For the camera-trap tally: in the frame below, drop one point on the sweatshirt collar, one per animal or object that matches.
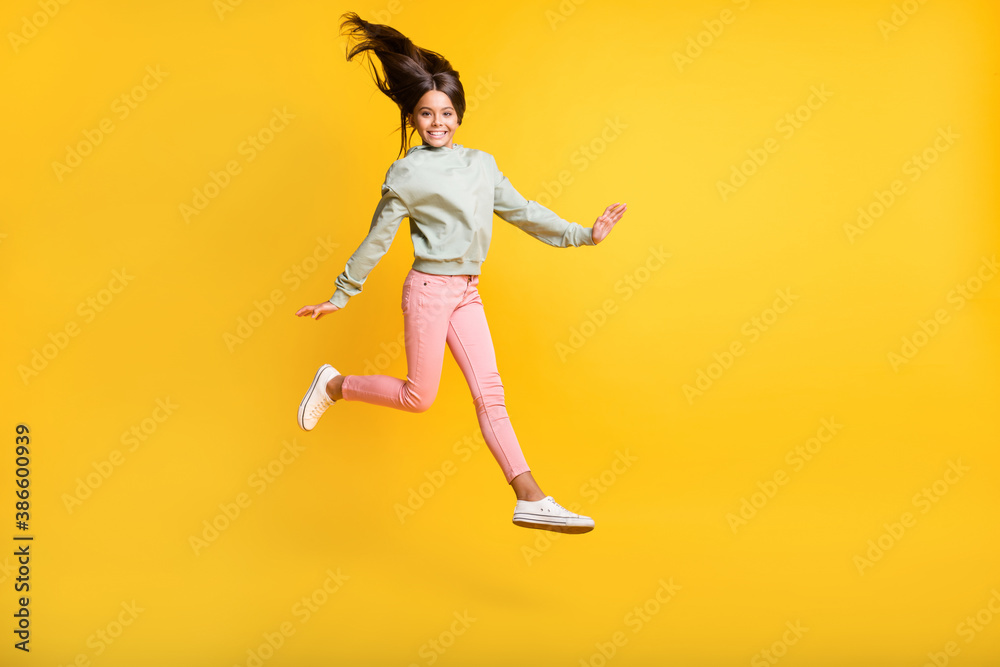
(434, 149)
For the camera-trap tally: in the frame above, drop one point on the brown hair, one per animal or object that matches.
(409, 71)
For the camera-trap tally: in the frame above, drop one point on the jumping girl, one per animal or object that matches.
(449, 193)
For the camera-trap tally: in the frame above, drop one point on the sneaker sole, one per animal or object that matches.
(554, 527)
(305, 399)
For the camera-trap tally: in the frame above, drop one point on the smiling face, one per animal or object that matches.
(435, 119)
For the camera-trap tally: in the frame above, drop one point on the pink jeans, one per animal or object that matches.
(439, 309)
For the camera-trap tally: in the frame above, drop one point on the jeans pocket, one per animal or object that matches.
(407, 291)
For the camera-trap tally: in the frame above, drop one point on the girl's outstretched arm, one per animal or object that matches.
(388, 214)
(607, 221)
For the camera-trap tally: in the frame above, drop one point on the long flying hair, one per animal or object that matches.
(409, 71)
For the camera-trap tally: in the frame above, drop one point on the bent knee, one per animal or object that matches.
(414, 403)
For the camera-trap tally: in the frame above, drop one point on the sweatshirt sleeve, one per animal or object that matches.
(535, 219)
(388, 214)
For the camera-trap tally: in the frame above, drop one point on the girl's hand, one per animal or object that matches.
(317, 311)
(607, 221)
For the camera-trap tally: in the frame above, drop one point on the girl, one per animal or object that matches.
(449, 193)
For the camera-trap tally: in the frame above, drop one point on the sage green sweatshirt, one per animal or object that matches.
(450, 196)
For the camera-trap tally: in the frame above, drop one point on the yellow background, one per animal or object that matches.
(558, 75)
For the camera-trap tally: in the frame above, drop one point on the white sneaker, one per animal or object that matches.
(316, 400)
(547, 514)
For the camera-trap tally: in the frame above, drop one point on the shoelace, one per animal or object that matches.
(320, 407)
(560, 506)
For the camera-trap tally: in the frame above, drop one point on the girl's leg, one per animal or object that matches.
(472, 346)
(526, 488)
(427, 304)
